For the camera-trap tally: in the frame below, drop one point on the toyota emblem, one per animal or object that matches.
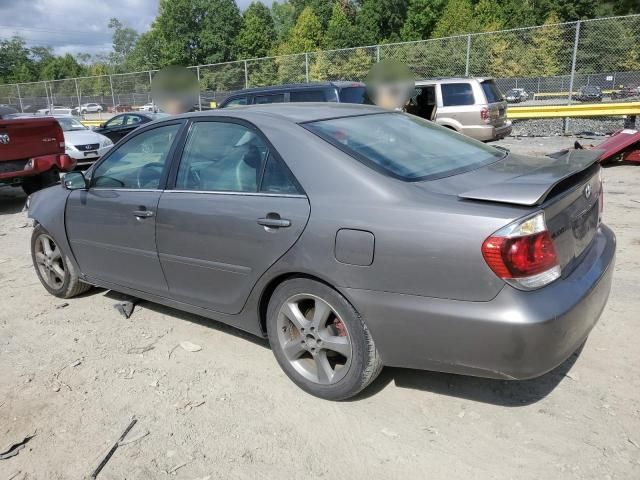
(587, 191)
(4, 138)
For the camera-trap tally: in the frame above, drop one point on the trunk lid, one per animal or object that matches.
(495, 102)
(24, 138)
(567, 189)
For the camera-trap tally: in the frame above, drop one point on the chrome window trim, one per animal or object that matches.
(103, 189)
(249, 194)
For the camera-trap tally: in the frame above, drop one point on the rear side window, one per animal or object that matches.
(455, 94)
(275, 98)
(404, 146)
(277, 178)
(308, 96)
(491, 91)
(220, 156)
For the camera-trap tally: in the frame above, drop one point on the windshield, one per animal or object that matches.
(70, 124)
(405, 146)
(354, 95)
(491, 91)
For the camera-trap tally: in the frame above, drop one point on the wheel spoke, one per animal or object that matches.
(293, 313)
(40, 257)
(293, 349)
(55, 253)
(58, 272)
(324, 371)
(337, 344)
(321, 312)
(46, 246)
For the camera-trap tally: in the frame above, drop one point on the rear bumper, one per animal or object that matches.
(36, 166)
(486, 133)
(517, 335)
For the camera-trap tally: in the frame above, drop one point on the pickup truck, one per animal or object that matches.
(32, 153)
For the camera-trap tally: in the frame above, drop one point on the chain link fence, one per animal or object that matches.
(552, 63)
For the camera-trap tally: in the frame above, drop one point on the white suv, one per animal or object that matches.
(469, 105)
(90, 108)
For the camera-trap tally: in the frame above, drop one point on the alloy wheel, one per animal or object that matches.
(314, 339)
(49, 261)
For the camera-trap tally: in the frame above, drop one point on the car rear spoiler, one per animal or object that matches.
(533, 188)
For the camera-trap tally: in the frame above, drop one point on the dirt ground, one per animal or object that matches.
(75, 372)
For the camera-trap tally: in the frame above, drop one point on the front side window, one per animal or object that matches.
(405, 146)
(139, 162)
(115, 122)
(236, 102)
(456, 94)
(221, 156)
(133, 120)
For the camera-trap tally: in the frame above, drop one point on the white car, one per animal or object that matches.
(81, 143)
(90, 108)
(55, 110)
(148, 107)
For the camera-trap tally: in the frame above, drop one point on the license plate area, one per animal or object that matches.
(584, 228)
(91, 154)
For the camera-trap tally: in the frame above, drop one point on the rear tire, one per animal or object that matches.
(55, 270)
(327, 349)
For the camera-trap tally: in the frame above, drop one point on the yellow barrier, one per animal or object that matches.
(564, 94)
(92, 123)
(576, 110)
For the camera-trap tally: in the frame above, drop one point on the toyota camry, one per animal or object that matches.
(350, 236)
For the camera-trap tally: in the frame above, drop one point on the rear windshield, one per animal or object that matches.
(354, 95)
(405, 146)
(491, 91)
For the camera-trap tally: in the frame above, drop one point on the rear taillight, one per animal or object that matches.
(484, 114)
(523, 254)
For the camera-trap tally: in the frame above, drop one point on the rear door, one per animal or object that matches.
(496, 103)
(235, 209)
(111, 225)
(457, 107)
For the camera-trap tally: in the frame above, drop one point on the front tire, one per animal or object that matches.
(54, 269)
(320, 341)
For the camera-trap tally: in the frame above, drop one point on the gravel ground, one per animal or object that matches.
(75, 372)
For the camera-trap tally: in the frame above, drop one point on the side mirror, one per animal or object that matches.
(74, 181)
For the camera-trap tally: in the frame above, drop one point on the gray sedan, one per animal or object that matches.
(350, 236)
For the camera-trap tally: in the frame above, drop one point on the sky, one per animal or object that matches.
(75, 26)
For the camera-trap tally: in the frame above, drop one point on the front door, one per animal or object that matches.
(111, 225)
(234, 211)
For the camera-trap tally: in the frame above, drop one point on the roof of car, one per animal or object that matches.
(451, 79)
(291, 86)
(294, 112)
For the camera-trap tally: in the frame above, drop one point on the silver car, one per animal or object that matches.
(350, 236)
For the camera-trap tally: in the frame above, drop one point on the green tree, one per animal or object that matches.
(549, 53)
(61, 67)
(195, 32)
(306, 35)
(283, 19)
(322, 8)
(381, 20)
(519, 13)
(124, 41)
(488, 16)
(457, 18)
(148, 53)
(422, 16)
(340, 33)
(258, 32)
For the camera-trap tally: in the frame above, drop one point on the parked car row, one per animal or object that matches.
(468, 105)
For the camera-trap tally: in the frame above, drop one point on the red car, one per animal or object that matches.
(119, 108)
(32, 153)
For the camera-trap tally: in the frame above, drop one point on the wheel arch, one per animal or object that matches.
(275, 282)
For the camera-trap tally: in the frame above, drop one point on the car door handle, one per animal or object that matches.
(274, 221)
(143, 213)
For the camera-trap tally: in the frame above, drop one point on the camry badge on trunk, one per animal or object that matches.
(4, 138)
(587, 191)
